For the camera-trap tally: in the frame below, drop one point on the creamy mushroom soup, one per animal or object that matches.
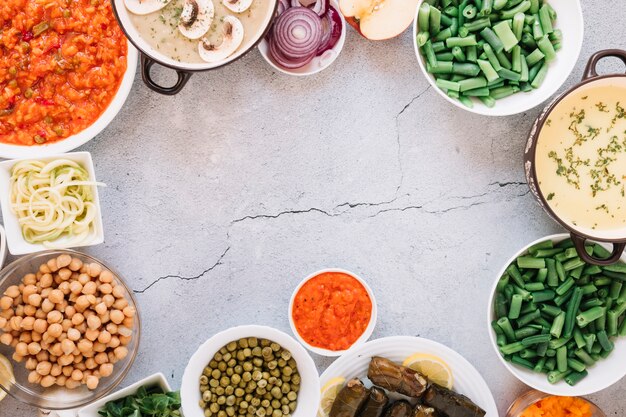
(165, 29)
(581, 158)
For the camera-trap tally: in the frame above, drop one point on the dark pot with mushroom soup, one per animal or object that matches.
(188, 36)
(575, 161)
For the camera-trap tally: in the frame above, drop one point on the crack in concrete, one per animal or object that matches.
(202, 274)
(282, 213)
(399, 143)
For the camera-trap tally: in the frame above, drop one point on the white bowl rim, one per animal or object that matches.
(263, 48)
(361, 340)
(9, 151)
(480, 108)
(91, 410)
(306, 366)
(561, 389)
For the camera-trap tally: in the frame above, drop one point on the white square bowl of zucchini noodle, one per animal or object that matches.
(67, 219)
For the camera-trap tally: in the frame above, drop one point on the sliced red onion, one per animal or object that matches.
(285, 62)
(297, 33)
(282, 6)
(332, 27)
(318, 6)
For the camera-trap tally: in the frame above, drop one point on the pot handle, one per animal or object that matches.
(146, 66)
(590, 70)
(579, 244)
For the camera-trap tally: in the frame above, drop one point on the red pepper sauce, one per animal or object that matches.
(331, 311)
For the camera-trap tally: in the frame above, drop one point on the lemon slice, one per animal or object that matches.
(432, 367)
(6, 374)
(329, 393)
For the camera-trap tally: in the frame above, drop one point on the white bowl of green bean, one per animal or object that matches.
(589, 351)
(466, 71)
(308, 395)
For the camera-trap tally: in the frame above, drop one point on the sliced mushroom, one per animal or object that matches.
(142, 7)
(237, 6)
(196, 18)
(231, 40)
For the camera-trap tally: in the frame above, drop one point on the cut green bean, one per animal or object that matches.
(444, 56)
(505, 34)
(441, 68)
(499, 4)
(516, 302)
(545, 19)
(458, 54)
(514, 76)
(574, 378)
(584, 356)
(477, 25)
(528, 318)
(447, 85)
(589, 316)
(538, 79)
(557, 326)
(512, 348)
(492, 39)
(546, 47)
(470, 84)
(503, 59)
(423, 17)
(518, 25)
(561, 359)
(477, 92)
(572, 309)
(456, 41)
(434, 21)
(443, 35)
(604, 341)
(502, 92)
(488, 101)
(431, 58)
(537, 30)
(506, 327)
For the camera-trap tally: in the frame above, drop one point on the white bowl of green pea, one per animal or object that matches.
(538, 43)
(223, 374)
(587, 289)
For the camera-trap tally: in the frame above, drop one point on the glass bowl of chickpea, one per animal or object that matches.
(69, 325)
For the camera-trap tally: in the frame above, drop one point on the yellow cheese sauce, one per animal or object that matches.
(581, 158)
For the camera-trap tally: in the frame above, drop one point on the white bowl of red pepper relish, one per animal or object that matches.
(332, 311)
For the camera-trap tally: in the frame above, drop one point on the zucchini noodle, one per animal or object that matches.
(52, 200)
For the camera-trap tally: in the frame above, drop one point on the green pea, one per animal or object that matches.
(206, 396)
(229, 390)
(231, 346)
(275, 347)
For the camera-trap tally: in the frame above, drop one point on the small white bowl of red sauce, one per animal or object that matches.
(332, 311)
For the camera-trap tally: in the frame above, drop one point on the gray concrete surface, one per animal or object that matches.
(221, 199)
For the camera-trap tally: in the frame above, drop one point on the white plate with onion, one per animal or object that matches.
(306, 37)
(52, 209)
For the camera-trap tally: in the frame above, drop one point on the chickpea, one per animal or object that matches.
(31, 279)
(92, 381)
(112, 328)
(76, 287)
(70, 311)
(93, 322)
(52, 264)
(71, 384)
(90, 363)
(67, 371)
(46, 281)
(116, 316)
(34, 377)
(106, 369)
(92, 334)
(64, 274)
(78, 358)
(21, 349)
(6, 338)
(43, 368)
(34, 300)
(6, 303)
(28, 323)
(106, 317)
(108, 300)
(61, 380)
(115, 342)
(77, 319)
(47, 305)
(104, 337)
(3, 322)
(67, 324)
(75, 264)
(101, 358)
(106, 276)
(73, 334)
(30, 310)
(56, 296)
(99, 347)
(64, 287)
(13, 291)
(36, 337)
(63, 260)
(84, 278)
(118, 292)
(94, 269)
(105, 288)
(120, 352)
(124, 331)
(48, 381)
(15, 323)
(65, 360)
(55, 316)
(34, 348)
(90, 288)
(56, 369)
(55, 330)
(129, 311)
(125, 340)
(17, 358)
(128, 322)
(25, 337)
(67, 346)
(43, 356)
(85, 345)
(92, 299)
(101, 308)
(77, 375)
(82, 303)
